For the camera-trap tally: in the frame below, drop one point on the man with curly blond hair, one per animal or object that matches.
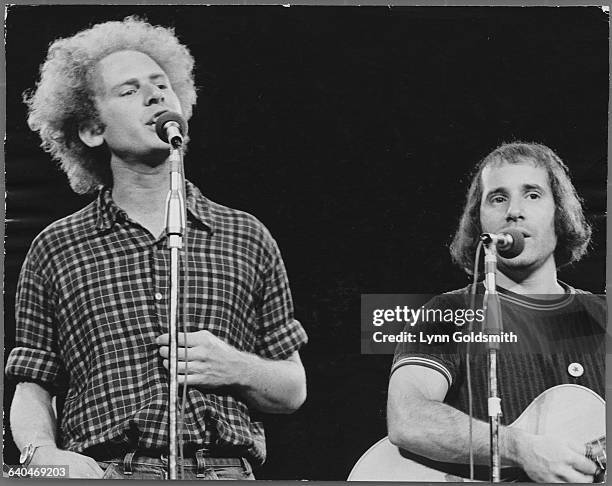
(92, 298)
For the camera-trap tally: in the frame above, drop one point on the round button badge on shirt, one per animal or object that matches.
(575, 369)
(158, 296)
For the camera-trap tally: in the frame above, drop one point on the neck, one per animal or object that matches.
(138, 189)
(541, 281)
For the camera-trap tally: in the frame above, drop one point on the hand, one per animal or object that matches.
(552, 460)
(79, 466)
(211, 362)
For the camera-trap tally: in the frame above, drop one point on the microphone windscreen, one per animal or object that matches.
(168, 117)
(517, 246)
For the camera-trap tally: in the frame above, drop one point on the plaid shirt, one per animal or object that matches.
(93, 296)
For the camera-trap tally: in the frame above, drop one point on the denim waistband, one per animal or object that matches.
(163, 460)
(201, 461)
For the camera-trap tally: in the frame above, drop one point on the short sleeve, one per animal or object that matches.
(35, 357)
(279, 334)
(442, 357)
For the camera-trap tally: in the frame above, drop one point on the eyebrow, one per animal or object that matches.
(524, 187)
(529, 187)
(135, 81)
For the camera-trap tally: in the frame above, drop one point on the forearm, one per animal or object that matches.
(441, 432)
(420, 422)
(33, 420)
(32, 416)
(272, 386)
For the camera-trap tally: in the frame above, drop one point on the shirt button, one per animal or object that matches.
(575, 369)
(158, 296)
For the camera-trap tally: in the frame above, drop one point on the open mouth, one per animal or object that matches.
(524, 232)
(154, 118)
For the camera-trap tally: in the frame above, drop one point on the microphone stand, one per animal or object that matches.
(175, 231)
(493, 325)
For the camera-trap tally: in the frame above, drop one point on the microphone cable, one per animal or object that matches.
(467, 359)
(185, 265)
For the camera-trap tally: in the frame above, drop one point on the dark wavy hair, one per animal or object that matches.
(63, 98)
(572, 230)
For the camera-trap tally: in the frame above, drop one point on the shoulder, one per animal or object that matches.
(457, 292)
(229, 218)
(594, 305)
(456, 297)
(573, 290)
(63, 234)
(238, 224)
(235, 230)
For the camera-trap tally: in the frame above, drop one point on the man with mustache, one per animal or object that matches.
(524, 187)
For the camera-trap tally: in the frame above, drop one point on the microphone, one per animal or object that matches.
(171, 128)
(509, 244)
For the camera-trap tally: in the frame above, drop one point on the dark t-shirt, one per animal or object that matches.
(558, 341)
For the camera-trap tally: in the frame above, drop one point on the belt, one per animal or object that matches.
(201, 460)
(112, 452)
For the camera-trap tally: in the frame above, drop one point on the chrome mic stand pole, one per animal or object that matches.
(493, 325)
(175, 231)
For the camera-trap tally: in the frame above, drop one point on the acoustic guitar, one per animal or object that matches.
(564, 411)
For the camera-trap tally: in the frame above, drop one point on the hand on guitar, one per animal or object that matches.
(551, 460)
(79, 466)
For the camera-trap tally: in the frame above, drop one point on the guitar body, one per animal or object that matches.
(570, 412)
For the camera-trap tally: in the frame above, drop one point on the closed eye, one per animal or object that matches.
(128, 92)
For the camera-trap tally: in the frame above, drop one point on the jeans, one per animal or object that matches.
(134, 466)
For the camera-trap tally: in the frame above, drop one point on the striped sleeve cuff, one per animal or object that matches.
(423, 361)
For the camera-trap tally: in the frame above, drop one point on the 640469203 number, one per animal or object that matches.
(35, 471)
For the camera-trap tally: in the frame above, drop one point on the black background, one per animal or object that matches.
(350, 132)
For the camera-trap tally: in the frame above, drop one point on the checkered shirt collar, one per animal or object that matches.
(107, 211)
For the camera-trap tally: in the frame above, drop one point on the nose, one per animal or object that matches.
(515, 210)
(153, 95)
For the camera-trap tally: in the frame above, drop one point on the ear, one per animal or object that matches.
(91, 134)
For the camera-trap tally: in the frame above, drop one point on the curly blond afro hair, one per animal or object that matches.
(63, 99)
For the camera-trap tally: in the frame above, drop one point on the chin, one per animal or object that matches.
(519, 264)
(155, 158)
(519, 261)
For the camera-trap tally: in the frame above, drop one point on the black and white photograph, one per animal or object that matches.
(299, 242)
